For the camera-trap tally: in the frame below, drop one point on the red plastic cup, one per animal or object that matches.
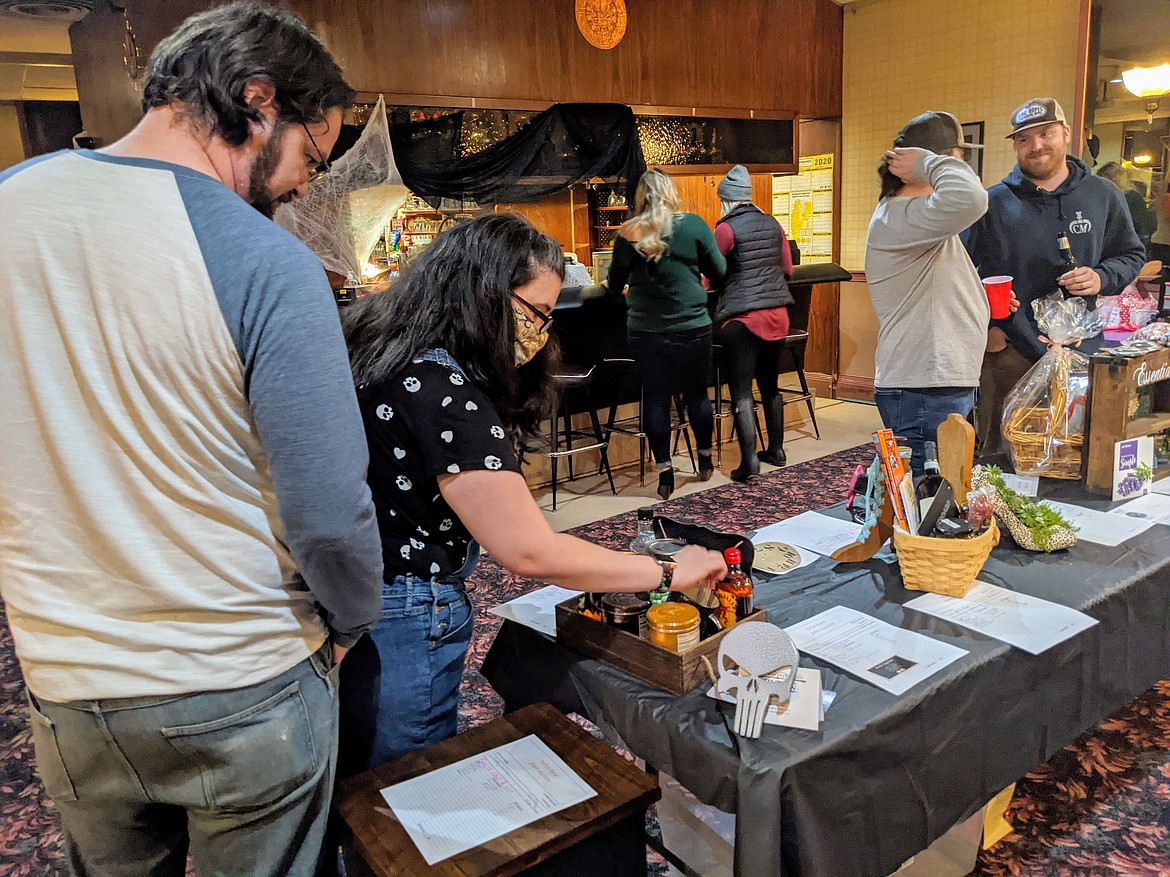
(999, 295)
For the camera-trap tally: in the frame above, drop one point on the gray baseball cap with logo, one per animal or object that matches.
(935, 131)
(1036, 112)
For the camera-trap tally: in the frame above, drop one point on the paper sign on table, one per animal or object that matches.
(1102, 528)
(536, 609)
(1151, 507)
(463, 805)
(812, 531)
(1025, 622)
(1131, 458)
(893, 659)
(804, 710)
(1024, 485)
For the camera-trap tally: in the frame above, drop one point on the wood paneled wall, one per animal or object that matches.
(755, 54)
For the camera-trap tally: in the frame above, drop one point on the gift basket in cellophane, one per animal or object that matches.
(1044, 414)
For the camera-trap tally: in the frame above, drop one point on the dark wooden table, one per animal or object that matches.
(603, 835)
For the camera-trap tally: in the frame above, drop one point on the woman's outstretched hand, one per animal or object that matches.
(697, 566)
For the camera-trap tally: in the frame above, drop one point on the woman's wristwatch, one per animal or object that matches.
(668, 567)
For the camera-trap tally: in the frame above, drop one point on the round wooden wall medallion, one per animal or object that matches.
(602, 22)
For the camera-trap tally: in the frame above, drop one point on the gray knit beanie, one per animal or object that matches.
(736, 186)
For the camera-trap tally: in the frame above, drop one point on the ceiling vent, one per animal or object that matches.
(47, 10)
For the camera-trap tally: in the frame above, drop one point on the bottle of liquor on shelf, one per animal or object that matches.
(735, 593)
(640, 543)
(926, 485)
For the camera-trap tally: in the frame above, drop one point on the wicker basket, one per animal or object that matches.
(1042, 443)
(943, 566)
(1039, 452)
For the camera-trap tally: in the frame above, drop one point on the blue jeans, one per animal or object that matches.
(400, 682)
(916, 414)
(241, 778)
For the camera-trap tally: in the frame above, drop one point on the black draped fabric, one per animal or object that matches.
(565, 145)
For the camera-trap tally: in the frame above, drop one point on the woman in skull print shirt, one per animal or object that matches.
(452, 367)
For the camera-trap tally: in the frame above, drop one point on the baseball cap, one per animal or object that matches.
(1036, 112)
(935, 131)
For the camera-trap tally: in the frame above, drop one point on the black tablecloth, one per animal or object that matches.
(886, 775)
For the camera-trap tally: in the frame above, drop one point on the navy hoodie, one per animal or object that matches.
(1018, 236)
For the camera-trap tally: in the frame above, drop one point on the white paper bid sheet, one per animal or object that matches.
(1151, 507)
(1025, 622)
(1103, 528)
(536, 609)
(893, 659)
(473, 801)
(812, 531)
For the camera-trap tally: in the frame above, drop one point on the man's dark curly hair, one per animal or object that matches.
(206, 63)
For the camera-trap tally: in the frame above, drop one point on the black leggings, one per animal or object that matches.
(672, 363)
(747, 356)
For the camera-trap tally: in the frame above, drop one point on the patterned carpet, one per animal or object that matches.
(1099, 808)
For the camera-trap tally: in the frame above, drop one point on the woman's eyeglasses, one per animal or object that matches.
(545, 319)
(323, 167)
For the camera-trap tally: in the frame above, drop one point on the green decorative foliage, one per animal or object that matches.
(1045, 525)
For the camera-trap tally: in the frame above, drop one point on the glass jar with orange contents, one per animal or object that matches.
(673, 626)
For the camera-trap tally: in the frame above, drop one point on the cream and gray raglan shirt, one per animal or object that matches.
(183, 504)
(931, 307)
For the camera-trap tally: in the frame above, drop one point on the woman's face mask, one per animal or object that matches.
(531, 334)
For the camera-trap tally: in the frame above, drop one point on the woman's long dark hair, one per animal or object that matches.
(891, 185)
(458, 296)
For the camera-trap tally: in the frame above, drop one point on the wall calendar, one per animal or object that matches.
(803, 204)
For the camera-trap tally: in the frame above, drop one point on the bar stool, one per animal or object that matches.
(633, 425)
(794, 345)
(568, 379)
(720, 414)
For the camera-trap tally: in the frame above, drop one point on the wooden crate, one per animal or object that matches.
(676, 673)
(1113, 388)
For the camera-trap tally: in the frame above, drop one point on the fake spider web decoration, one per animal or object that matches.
(347, 210)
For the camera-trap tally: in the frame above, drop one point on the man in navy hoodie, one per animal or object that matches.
(1047, 193)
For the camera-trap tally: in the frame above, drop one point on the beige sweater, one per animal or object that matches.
(931, 308)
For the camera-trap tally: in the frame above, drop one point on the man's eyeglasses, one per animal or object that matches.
(545, 319)
(323, 167)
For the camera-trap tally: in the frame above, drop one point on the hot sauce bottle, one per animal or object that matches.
(735, 593)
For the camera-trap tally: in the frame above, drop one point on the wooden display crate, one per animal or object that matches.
(1114, 385)
(673, 672)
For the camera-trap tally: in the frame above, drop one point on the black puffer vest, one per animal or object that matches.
(755, 266)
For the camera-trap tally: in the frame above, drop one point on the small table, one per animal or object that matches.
(601, 836)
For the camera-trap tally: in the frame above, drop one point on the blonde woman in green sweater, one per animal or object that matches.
(662, 254)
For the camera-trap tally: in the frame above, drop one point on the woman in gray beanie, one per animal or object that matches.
(751, 317)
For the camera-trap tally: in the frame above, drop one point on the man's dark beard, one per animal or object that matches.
(263, 168)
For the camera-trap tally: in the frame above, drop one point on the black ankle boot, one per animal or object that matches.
(774, 458)
(706, 467)
(745, 434)
(774, 420)
(665, 483)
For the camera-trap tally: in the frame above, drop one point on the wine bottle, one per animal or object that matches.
(927, 485)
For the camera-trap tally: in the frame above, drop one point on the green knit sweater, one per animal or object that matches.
(668, 296)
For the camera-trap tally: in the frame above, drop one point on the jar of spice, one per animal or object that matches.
(673, 626)
(626, 611)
